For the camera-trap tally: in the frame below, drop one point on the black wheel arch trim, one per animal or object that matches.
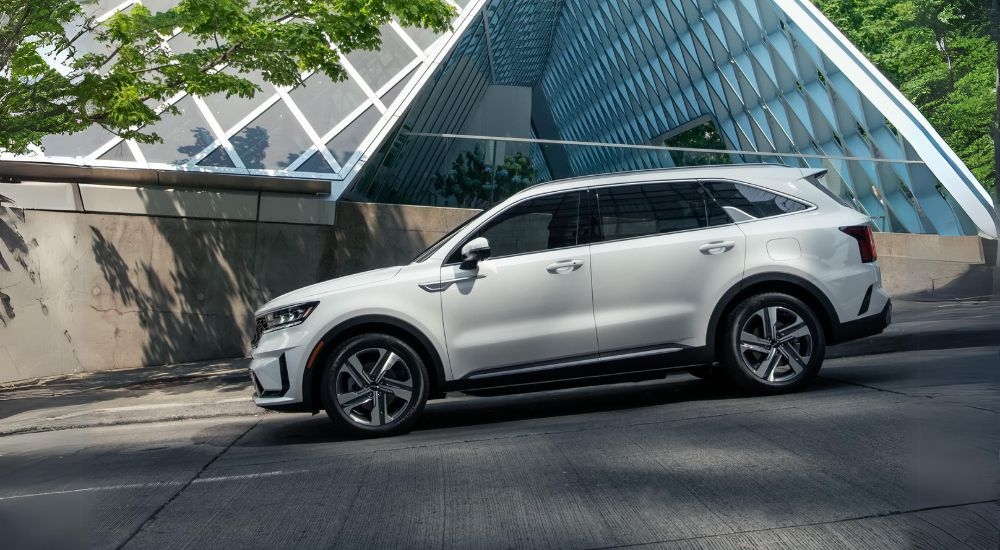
(829, 312)
(329, 342)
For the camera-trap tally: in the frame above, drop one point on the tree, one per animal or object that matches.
(995, 25)
(62, 70)
(475, 184)
(942, 55)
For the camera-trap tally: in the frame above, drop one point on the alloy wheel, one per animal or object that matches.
(775, 344)
(373, 387)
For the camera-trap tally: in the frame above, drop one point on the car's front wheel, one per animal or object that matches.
(773, 343)
(374, 385)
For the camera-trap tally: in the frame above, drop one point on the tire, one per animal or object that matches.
(364, 400)
(763, 351)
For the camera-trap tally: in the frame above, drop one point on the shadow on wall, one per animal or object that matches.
(17, 252)
(188, 284)
(192, 285)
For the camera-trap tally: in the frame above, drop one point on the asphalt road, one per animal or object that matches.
(896, 450)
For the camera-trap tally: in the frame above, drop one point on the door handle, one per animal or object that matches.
(565, 266)
(717, 247)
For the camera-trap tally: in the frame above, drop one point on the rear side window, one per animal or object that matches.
(819, 180)
(752, 202)
(543, 223)
(629, 211)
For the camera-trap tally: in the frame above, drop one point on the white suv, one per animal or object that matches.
(743, 271)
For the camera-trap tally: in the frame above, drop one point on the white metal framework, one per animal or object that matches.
(775, 77)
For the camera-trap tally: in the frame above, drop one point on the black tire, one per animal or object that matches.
(341, 379)
(749, 349)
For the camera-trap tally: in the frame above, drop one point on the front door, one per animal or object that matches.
(530, 302)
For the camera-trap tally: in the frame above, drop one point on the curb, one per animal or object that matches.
(923, 341)
(124, 422)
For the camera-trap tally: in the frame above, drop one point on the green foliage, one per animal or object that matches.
(475, 184)
(62, 71)
(941, 55)
(703, 136)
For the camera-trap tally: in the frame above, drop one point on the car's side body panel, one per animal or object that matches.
(631, 307)
(652, 290)
(515, 310)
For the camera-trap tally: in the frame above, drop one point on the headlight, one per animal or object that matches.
(288, 316)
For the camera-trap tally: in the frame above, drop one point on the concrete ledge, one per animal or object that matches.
(188, 203)
(967, 250)
(932, 267)
(41, 195)
(929, 279)
(284, 208)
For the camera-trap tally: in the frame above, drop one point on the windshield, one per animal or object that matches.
(434, 247)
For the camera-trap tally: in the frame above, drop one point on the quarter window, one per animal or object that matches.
(744, 201)
(543, 223)
(628, 211)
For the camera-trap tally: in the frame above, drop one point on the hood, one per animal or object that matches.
(304, 294)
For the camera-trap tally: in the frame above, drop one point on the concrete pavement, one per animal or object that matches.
(897, 450)
(222, 388)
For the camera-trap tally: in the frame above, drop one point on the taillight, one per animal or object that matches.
(866, 241)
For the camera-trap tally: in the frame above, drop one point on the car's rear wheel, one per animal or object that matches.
(374, 385)
(773, 343)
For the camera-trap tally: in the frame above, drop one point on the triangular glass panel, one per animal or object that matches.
(346, 143)
(378, 67)
(75, 145)
(423, 38)
(230, 110)
(183, 43)
(390, 96)
(119, 152)
(316, 163)
(272, 141)
(218, 158)
(183, 135)
(324, 102)
(156, 6)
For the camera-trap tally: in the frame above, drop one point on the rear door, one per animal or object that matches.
(663, 256)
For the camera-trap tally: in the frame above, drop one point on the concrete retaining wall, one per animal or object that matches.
(935, 267)
(84, 292)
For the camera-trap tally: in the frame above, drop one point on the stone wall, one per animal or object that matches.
(82, 292)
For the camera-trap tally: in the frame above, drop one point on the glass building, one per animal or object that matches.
(524, 91)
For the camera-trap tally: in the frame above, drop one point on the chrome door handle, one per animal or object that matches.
(717, 247)
(565, 266)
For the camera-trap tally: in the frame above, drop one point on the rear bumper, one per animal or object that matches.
(865, 326)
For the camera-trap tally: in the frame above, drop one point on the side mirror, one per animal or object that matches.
(475, 251)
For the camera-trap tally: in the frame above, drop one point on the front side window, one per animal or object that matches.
(629, 211)
(538, 224)
(752, 202)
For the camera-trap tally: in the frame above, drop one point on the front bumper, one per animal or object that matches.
(276, 368)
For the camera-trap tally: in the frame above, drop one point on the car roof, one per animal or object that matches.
(750, 173)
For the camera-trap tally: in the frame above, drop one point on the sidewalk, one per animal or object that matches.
(151, 394)
(222, 388)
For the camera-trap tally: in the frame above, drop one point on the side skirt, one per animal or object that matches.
(628, 365)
